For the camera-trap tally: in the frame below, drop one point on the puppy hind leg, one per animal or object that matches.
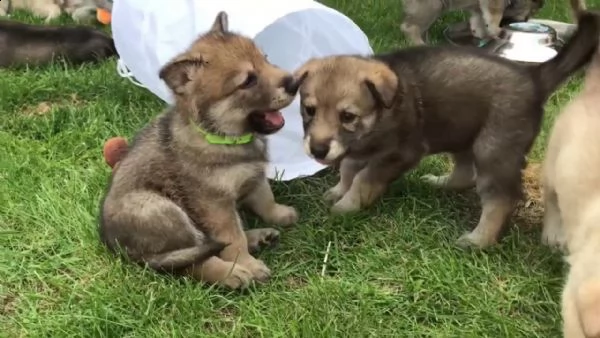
(419, 15)
(499, 187)
(461, 177)
(552, 233)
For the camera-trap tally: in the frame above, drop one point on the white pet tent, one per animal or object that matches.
(148, 34)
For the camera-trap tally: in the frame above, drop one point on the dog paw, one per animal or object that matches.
(474, 240)
(262, 238)
(553, 240)
(438, 181)
(345, 205)
(238, 277)
(334, 194)
(259, 270)
(282, 215)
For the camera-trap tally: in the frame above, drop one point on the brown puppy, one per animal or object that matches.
(172, 204)
(485, 20)
(381, 115)
(571, 182)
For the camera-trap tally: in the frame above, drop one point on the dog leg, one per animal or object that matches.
(372, 181)
(49, 12)
(348, 170)
(588, 305)
(217, 271)
(492, 11)
(261, 238)
(225, 226)
(552, 233)
(419, 15)
(461, 177)
(262, 202)
(494, 213)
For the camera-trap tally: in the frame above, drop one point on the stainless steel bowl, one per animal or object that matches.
(527, 42)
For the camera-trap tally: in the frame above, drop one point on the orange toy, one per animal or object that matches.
(103, 16)
(114, 150)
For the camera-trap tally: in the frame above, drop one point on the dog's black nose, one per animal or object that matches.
(319, 151)
(290, 85)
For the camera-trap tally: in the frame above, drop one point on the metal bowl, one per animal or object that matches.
(526, 42)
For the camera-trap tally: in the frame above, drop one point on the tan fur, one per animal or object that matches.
(571, 181)
(79, 10)
(378, 116)
(484, 21)
(173, 201)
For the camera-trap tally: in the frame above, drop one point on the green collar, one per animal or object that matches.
(226, 140)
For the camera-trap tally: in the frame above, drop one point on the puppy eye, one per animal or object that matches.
(310, 111)
(250, 81)
(346, 117)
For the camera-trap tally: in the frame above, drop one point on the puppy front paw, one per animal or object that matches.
(238, 277)
(282, 215)
(261, 238)
(334, 194)
(475, 240)
(259, 270)
(345, 205)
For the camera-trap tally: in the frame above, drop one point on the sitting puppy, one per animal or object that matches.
(485, 19)
(381, 115)
(34, 45)
(79, 10)
(571, 181)
(172, 203)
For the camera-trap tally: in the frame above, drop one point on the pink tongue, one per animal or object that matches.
(274, 118)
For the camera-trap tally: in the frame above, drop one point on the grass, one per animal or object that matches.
(393, 270)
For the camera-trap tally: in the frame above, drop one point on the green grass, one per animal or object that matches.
(393, 270)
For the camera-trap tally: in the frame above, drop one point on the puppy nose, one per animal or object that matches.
(319, 151)
(290, 85)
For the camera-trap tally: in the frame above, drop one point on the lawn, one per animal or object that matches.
(394, 270)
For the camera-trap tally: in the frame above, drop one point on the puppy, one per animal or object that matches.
(79, 10)
(571, 183)
(172, 202)
(486, 15)
(381, 115)
(33, 45)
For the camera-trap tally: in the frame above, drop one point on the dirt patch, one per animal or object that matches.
(530, 211)
(8, 304)
(45, 107)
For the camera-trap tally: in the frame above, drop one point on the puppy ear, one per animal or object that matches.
(221, 24)
(302, 73)
(178, 72)
(588, 299)
(382, 83)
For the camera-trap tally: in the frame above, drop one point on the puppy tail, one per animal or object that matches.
(577, 52)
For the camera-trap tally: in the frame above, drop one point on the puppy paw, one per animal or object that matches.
(262, 238)
(345, 205)
(282, 215)
(553, 240)
(238, 277)
(334, 194)
(259, 270)
(438, 181)
(474, 240)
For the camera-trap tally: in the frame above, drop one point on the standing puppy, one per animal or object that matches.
(381, 115)
(485, 18)
(571, 181)
(79, 10)
(172, 203)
